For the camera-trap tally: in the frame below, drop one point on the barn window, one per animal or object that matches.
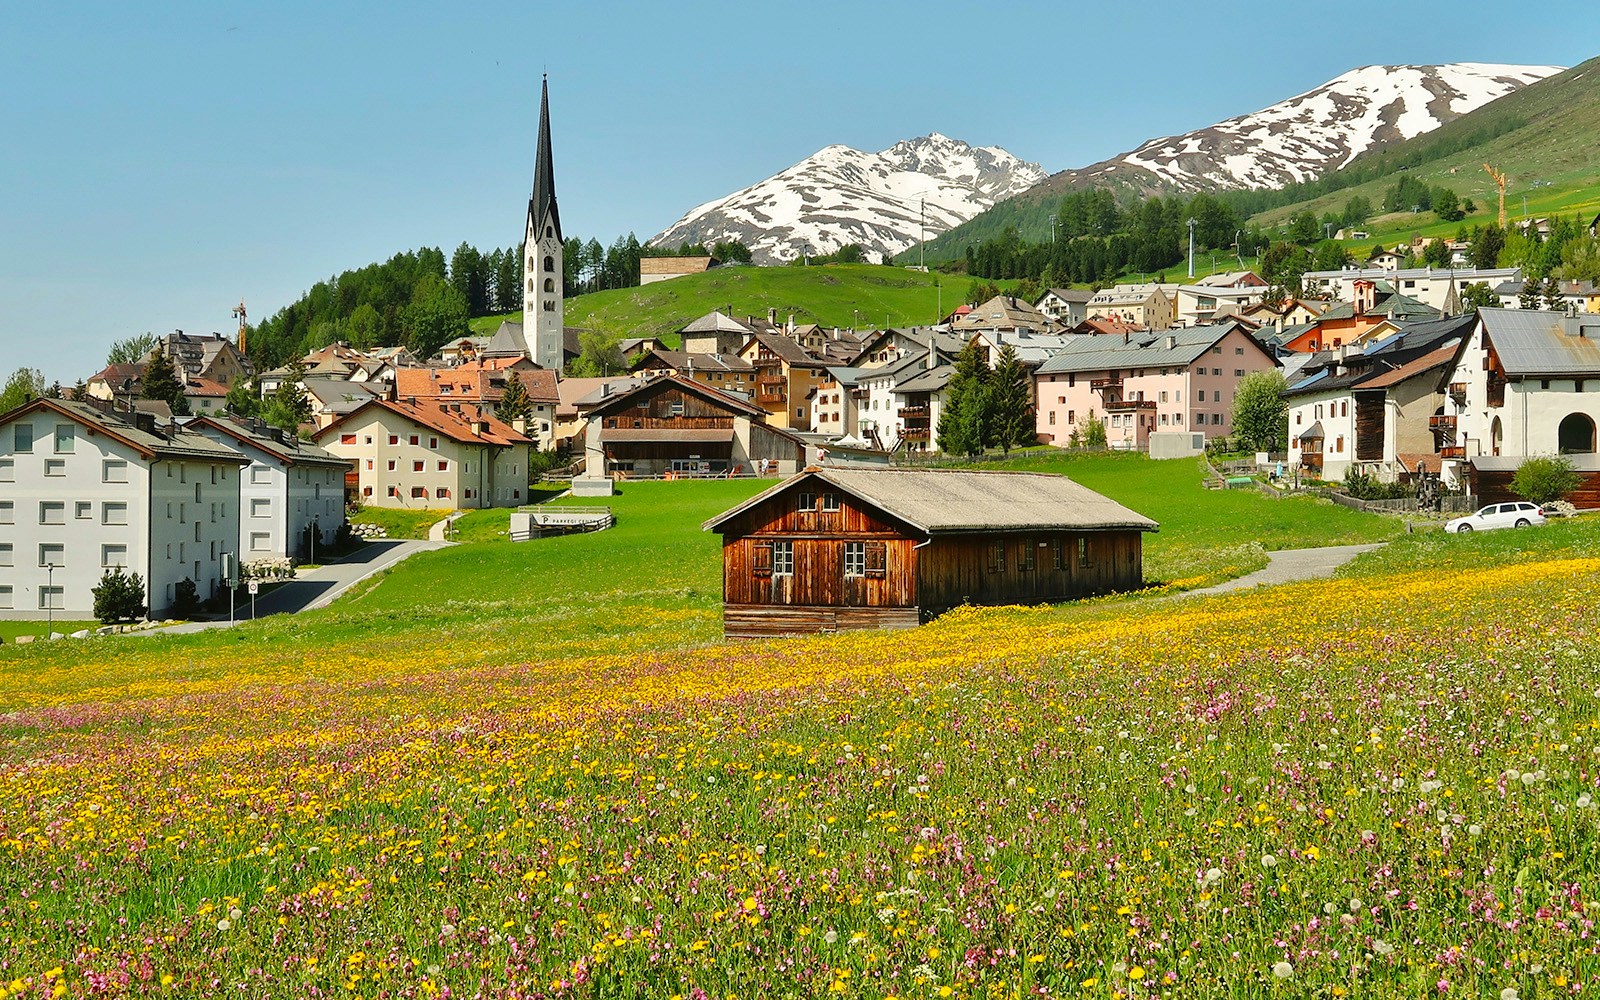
(1084, 559)
(1058, 553)
(1025, 556)
(877, 553)
(761, 559)
(675, 408)
(806, 501)
(830, 502)
(997, 557)
(855, 559)
(783, 559)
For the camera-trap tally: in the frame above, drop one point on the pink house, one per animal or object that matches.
(1137, 383)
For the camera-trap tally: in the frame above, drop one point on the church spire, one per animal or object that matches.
(542, 205)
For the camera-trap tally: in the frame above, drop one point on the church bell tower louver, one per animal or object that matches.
(543, 297)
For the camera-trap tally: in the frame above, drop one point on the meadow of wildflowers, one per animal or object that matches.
(1382, 785)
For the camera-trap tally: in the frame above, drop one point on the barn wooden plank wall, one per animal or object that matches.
(1495, 487)
(964, 570)
(657, 411)
(757, 621)
(1369, 425)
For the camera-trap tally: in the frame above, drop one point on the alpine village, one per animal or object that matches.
(1088, 589)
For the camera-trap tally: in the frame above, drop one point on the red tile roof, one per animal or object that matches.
(454, 424)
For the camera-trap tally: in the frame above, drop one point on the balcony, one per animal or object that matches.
(1453, 451)
(1129, 405)
(770, 396)
(772, 380)
(1102, 384)
(912, 412)
(1442, 424)
(914, 434)
(1458, 392)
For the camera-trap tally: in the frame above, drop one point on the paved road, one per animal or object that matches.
(1291, 566)
(319, 587)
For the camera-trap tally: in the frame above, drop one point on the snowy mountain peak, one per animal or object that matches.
(884, 201)
(1323, 129)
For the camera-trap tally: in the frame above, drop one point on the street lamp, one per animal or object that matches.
(316, 526)
(49, 600)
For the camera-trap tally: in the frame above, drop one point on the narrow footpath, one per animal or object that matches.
(1292, 566)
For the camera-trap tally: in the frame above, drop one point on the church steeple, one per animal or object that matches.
(543, 273)
(542, 206)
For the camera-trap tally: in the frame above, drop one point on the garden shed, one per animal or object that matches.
(892, 548)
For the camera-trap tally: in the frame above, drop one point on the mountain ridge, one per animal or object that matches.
(882, 200)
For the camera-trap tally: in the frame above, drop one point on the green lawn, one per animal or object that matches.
(1208, 536)
(867, 296)
(401, 523)
(9, 630)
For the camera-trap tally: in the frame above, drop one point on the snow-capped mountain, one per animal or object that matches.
(841, 195)
(1320, 130)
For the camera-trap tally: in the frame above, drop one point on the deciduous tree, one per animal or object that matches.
(132, 350)
(1260, 414)
(1545, 478)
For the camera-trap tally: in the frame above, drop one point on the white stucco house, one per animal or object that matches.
(83, 489)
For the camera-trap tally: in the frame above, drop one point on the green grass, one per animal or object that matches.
(1561, 538)
(9, 630)
(867, 296)
(401, 523)
(1208, 536)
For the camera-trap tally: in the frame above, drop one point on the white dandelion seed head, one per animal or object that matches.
(1282, 970)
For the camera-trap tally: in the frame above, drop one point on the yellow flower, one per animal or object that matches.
(1136, 973)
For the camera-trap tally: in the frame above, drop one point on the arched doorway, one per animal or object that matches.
(1576, 435)
(1496, 433)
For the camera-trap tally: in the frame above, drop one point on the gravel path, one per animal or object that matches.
(1292, 566)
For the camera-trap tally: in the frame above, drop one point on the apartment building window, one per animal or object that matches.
(51, 598)
(1052, 418)
(197, 529)
(260, 541)
(414, 439)
(394, 491)
(441, 492)
(183, 473)
(55, 466)
(6, 556)
(347, 439)
(1338, 444)
(113, 555)
(1216, 348)
(5, 597)
(260, 475)
(52, 512)
(1216, 418)
(394, 439)
(419, 493)
(83, 510)
(1344, 408)
(113, 513)
(367, 439)
(53, 555)
(1200, 396)
(369, 465)
(66, 438)
(1238, 373)
(115, 470)
(445, 467)
(393, 465)
(213, 476)
(7, 470)
(366, 491)
(22, 439)
(416, 466)
(1238, 350)
(433, 442)
(260, 507)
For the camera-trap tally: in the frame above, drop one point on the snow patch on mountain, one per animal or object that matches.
(884, 201)
(1321, 130)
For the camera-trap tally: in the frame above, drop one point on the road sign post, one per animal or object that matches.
(255, 588)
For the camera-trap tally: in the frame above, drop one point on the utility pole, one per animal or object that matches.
(1192, 224)
(49, 600)
(922, 216)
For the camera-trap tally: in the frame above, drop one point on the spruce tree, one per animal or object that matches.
(966, 424)
(119, 597)
(160, 380)
(1014, 425)
(516, 404)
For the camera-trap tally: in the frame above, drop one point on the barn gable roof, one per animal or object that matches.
(962, 501)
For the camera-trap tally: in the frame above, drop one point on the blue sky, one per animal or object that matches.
(159, 163)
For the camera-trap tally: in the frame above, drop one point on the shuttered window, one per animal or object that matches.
(877, 556)
(1025, 557)
(997, 557)
(761, 558)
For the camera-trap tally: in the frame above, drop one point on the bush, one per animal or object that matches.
(185, 599)
(1545, 479)
(119, 597)
(1094, 433)
(1365, 487)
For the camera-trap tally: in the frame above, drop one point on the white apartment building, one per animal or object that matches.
(289, 487)
(83, 489)
(1433, 286)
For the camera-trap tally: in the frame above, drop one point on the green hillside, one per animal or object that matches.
(868, 296)
(1542, 136)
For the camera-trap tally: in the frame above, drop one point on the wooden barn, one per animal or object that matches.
(892, 548)
(1489, 479)
(669, 425)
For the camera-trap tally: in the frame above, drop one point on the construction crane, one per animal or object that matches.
(1499, 182)
(238, 313)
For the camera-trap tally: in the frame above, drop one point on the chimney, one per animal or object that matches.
(791, 322)
(772, 316)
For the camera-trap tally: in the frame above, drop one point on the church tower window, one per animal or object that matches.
(549, 264)
(549, 284)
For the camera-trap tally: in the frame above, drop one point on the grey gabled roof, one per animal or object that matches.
(1312, 433)
(1534, 342)
(932, 380)
(1078, 295)
(945, 501)
(715, 322)
(168, 441)
(1141, 350)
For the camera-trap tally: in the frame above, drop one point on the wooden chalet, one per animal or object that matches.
(674, 426)
(892, 548)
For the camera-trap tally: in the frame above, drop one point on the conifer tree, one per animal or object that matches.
(516, 404)
(966, 425)
(1012, 394)
(160, 380)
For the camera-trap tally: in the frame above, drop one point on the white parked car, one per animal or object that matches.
(1498, 515)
